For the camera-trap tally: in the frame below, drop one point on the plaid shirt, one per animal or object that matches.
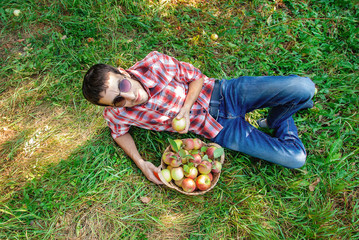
(166, 81)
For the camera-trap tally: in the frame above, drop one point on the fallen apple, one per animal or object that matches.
(16, 12)
(203, 182)
(179, 124)
(214, 36)
(188, 185)
(177, 173)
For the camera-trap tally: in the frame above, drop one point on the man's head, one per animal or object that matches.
(105, 85)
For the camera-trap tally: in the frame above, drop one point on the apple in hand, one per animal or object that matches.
(179, 124)
(203, 182)
(188, 185)
(166, 175)
(177, 173)
(205, 167)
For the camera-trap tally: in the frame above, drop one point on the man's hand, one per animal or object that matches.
(184, 113)
(128, 145)
(148, 168)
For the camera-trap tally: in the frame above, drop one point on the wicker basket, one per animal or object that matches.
(172, 185)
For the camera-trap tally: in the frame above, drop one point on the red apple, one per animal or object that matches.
(177, 173)
(197, 159)
(188, 185)
(188, 144)
(205, 167)
(210, 152)
(216, 167)
(203, 182)
(210, 175)
(175, 161)
(166, 175)
(192, 172)
(179, 124)
(166, 157)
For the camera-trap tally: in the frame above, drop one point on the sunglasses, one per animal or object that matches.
(124, 86)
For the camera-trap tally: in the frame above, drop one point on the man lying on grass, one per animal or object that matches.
(159, 88)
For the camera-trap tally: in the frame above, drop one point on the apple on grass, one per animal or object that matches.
(203, 182)
(188, 185)
(179, 124)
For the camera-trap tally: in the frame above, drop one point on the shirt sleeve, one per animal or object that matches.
(116, 124)
(182, 71)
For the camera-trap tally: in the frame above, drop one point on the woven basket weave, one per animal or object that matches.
(173, 186)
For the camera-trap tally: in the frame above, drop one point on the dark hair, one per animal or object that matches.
(95, 82)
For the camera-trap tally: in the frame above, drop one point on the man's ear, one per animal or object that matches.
(123, 71)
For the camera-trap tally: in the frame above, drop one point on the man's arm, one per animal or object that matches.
(194, 89)
(127, 143)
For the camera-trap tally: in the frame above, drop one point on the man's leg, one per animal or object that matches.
(285, 96)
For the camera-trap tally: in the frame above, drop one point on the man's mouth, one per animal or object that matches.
(138, 97)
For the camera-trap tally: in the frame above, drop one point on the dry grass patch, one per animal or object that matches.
(34, 134)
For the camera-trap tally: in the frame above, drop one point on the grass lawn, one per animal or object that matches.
(63, 177)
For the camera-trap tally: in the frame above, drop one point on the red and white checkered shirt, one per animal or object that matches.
(166, 81)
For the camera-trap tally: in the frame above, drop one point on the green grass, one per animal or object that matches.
(63, 177)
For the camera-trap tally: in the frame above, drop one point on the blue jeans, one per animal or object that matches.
(285, 95)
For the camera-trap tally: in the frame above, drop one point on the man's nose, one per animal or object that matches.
(128, 95)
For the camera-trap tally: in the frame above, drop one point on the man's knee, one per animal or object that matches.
(297, 161)
(302, 86)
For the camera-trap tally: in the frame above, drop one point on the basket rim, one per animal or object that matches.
(175, 187)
